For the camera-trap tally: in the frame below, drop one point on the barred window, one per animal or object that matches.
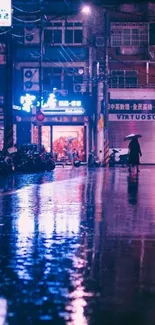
(129, 34)
(123, 79)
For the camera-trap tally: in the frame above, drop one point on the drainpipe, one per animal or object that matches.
(147, 72)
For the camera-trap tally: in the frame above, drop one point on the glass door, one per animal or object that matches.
(67, 138)
(46, 137)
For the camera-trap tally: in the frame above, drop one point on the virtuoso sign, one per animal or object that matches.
(5, 13)
(131, 117)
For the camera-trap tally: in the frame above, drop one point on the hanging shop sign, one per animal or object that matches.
(5, 13)
(62, 107)
(55, 119)
(132, 117)
(133, 107)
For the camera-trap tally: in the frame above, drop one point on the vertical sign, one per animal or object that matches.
(5, 13)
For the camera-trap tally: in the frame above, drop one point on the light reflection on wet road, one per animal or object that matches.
(78, 248)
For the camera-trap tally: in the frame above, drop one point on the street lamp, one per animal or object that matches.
(86, 10)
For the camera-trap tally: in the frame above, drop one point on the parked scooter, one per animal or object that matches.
(6, 165)
(114, 159)
(29, 160)
(93, 161)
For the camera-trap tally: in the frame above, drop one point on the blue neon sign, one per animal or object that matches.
(51, 106)
(62, 107)
(27, 102)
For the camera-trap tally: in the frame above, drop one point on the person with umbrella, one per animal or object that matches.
(134, 151)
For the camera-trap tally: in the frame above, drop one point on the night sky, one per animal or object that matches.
(102, 2)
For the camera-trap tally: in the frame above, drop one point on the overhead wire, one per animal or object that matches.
(27, 21)
(64, 48)
(5, 32)
(25, 11)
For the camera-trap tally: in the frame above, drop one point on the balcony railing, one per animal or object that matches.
(129, 86)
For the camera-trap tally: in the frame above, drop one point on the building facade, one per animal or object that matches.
(59, 52)
(132, 76)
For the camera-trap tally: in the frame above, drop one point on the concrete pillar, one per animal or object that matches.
(100, 131)
(8, 101)
(147, 73)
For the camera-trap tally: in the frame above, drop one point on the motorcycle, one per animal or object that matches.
(93, 161)
(6, 165)
(115, 159)
(29, 160)
(77, 162)
(48, 162)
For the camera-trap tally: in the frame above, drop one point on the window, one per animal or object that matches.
(152, 34)
(73, 36)
(131, 79)
(129, 34)
(73, 33)
(53, 35)
(64, 33)
(57, 24)
(52, 78)
(69, 36)
(123, 79)
(57, 36)
(72, 77)
(48, 36)
(78, 35)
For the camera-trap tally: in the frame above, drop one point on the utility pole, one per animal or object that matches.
(40, 72)
(105, 90)
(8, 102)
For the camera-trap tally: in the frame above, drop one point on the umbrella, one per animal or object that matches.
(71, 139)
(132, 136)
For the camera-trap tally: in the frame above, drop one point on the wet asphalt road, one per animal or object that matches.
(78, 248)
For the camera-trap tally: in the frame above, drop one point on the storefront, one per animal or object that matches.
(133, 116)
(58, 132)
(65, 123)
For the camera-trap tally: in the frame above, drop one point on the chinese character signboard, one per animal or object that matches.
(137, 106)
(62, 107)
(123, 110)
(5, 13)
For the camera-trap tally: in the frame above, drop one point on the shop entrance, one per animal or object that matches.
(57, 138)
(72, 136)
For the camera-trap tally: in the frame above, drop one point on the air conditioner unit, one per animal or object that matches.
(152, 56)
(31, 35)
(2, 58)
(130, 50)
(99, 41)
(152, 52)
(129, 7)
(79, 88)
(60, 92)
(31, 79)
(2, 48)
